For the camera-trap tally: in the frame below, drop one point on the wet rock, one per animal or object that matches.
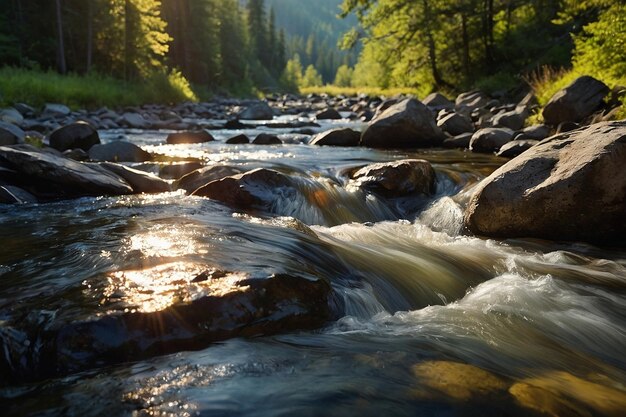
(236, 124)
(328, 114)
(78, 135)
(438, 101)
(227, 305)
(134, 121)
(253, 189)
(140, 181)
(516, 147)
(407, 124)
(69, 178)
(568, 187)
(10, 134)
(575, 102)
(337, 137)
(201, 136)
(257, 111)
(12, 116)
(266, 139)
(55, 110)
(201, 177)
(118, 151)
(10, 194)
(76, 154)
(459, 141)
(396, 179)
(456, 124)
(490, 139)
(238, 140)
(176, 171)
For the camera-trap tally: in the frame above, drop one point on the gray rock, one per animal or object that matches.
(134, 120)
(337, 137)
(10, 134)
(455, 124)
(201, 136)
(201, 177)
(74, 178)
(438, 101)
(10, 194)
(459, 141)
(516, 147)
(490, 139)
(24, 109)
(266, 139)
(55, 110)
(407, 124)
(536, 132)
(257, 111)
(513, 119)
(10, 115)
(471, 100)
(140, 181)
(396, 179)
(119, 151)
(328, 114)
(175, 171)
(568, 187)
(78, 135)
(238, 140)
(575, 102)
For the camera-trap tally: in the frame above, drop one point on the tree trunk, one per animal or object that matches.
(432, 52)
(128, 41)
(62, 68)
(488, 36)
(89, 34)
(466, 48)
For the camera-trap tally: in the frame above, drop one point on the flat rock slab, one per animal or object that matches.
(75, 178)
(570, 187)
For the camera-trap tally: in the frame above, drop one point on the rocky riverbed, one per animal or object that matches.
(430, 256)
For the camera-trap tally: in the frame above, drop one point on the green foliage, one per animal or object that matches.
(292, 76)
(344, 75)
(311, 77)
(91, 91)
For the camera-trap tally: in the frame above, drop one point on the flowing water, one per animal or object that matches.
(437, 322)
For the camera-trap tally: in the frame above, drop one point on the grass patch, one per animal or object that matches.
(90, 91)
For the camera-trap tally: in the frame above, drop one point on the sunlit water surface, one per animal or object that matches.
(437, 322)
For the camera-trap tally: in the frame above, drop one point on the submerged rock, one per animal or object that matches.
(78, 135)
(571, 186)
(337, 137)
(407, 124)
(119, 151)
(575, 102)
(396, 179)
(201, 136)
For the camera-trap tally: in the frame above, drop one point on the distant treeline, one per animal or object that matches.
(213, 43)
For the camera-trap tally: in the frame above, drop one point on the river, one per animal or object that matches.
(437, 323)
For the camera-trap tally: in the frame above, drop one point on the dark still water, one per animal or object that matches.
(437, 323)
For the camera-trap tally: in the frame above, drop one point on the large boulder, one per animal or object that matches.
(140, 181)
(10, 134)
(78, 135)
(253, 189)
(118, 151)
(396, 179)
(257, 111)
(200, 136)
(568, 187)
(69, 178)
(456, 124)
(407, 124)
(490, 139)
(337, 137)
(575, 102)
(201, 177)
